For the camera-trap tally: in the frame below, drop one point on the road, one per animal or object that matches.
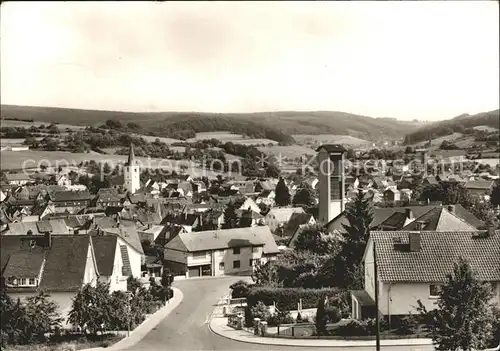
(186, 328)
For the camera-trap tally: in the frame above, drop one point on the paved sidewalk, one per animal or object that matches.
(218, 325)
(142, 330)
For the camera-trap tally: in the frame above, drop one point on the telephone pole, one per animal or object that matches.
(377, 318)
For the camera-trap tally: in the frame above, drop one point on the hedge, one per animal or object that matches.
(286, 299)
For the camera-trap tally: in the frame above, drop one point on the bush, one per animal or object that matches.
(239, 289)
(282, 317)
(286, 299)
(260, 310)
(357, 328)
(299, 318)
(407, 326)
(332, 314)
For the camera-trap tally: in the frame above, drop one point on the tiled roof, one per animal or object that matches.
(104, 249)
(440, 219)
(295, 221)
(439, 251)
(73, 221)
(65, 263)
(479, 184)
(396, 221)
(283, 214)
(126, 269)
(129, 235)
(332, 148)
(70, 196)
(16, 176)
(226, 238)
(24, 263)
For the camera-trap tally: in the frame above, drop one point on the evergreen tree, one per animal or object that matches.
(282, 197)
(304, 197)
(360, 216)
(230, 217)
(462, 319)
(315, 240)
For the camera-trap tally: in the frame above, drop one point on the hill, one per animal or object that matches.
(458, 124)
(277, 126)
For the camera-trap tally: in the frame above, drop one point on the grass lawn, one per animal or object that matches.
(77, 343)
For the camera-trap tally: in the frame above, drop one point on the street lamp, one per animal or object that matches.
(129, 311)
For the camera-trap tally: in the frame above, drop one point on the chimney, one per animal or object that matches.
(48, 240)
(409, 213)
(420, 225)
(451, 208)
(414, 241)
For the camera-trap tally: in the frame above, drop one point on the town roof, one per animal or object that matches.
(479, 184)
(439, 251)
(283, 214)
(70, 196)
(297, 219)
(332, 148)
(440, 219)
(24, 263)
(105, 251)
(16, 176)
(129, 235)
(65, 263)
(223, 239)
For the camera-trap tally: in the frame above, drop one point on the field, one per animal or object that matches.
(486, 128)
(294, 151)
(319, 139)
(224, 137)
(11, 160)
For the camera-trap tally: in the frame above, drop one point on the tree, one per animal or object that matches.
(315, 240)
(42, 316)
(495, 195)
(272, 171)
(360, 216)
(409, 150)
(90, 309)
(462, 319)
(282, 197)
(239, 289)
(230, 217)
(304, 197)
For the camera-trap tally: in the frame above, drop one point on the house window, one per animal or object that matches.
(250, 262)
(236, 251)
(22, 281)
(255, 249)
(434, 290)
(32, 281)
(221, 266)
(236, 264)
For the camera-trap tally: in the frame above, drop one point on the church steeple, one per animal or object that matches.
(131, 155)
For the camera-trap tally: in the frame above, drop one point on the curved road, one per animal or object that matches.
(186, 328)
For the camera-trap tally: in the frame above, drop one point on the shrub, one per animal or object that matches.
(239, 289)
(260, 310)
(282, 317)
(320, 319)
(407, 326)
(299, 318)
(332, 314)
(286, 299)
(357, 328)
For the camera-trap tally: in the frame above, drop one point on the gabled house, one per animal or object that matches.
(297, 223)
(111, 262)
(218, 252)
(69, 201)
(266, 197)
(57, 264)
(17, 178)
(412, 265)
(479, 188)
(106, 197)
(392, 195)
(278, 216)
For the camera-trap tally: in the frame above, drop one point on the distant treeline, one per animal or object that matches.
(459, 124)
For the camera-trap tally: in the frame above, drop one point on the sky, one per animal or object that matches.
(424, 60)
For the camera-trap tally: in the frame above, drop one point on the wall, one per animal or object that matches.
(369, 284)
(90, 275)
(175, 256)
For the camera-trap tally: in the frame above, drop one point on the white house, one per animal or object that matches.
(17, 178)
(280, 215)
(413, 265)
(111, 262)
(219, 252)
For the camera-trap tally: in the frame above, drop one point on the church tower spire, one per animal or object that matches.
(131, 172)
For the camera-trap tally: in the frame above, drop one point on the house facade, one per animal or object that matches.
(220, 252)
(413, 265)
